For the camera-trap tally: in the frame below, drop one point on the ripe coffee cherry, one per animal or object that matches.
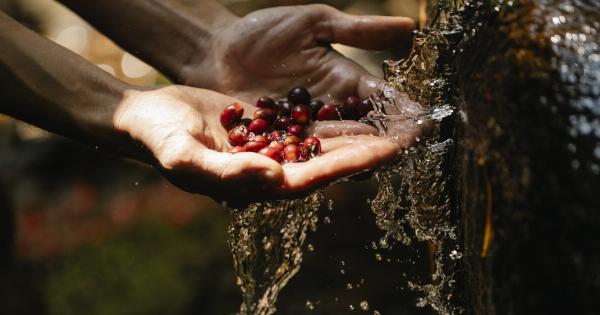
(276, 145)
(296, 130)
(291, 139)
(364, 108)
(315, 105)
(260, 138)
(231, 115)
(291, 153)
(258, 126)
(267, 114)
(254, 146)
(238, 135)
(283, 108)
(265, 102)
(301, 114)
(274, 153)
(350, 107)
(237, 149)
(299, 95)
(328, 112)
(282, 123)
(311, 147)
(276, 136)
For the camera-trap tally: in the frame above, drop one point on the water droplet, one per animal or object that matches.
(327, 220)
(310, 247)
(342, 271)
(309, 305)
(351, 307)
(378, 257)
(376, 312)
(364, 305)
(349, 286)
(454, 255)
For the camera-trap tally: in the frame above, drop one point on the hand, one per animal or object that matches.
(180, 128)
(270, 51)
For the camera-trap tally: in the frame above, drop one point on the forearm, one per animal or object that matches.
(168, 34)
(50, 87)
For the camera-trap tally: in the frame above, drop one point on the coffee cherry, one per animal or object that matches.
(237, 149)
(296, 130)
(291, 153)
(314, 106)
(260, 138)
(267, 114)
(364, 108)
(299, 95)
(276, 145)
(254, 146)
(350, 107)
(328, 112)
(265, 102)
(291, 139)
(258, 126)
(276, 136)
(282, 123)
(301, 114)
(273, 153)
(231, 115)
(283, 108)
(311, 147)
(238, 135)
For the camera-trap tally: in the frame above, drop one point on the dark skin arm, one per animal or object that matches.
(267, 52)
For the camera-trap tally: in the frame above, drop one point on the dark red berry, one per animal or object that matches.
(296, 130)
(259, 138)
(238, 135)
(276, 145)
(291, 153)
(237, 149)
(329, 112)
(315, 105)
(258, 126)
(282, 123)
(274, 153)
(265, 102)
(364, 108)
(301, 114)
(245, 121)
(283, 108)
(276, 136)
(231, 115)
(291, 139)
(349, 109)
(254, 146)
(299, 95)
(267, 114)
(311, 147)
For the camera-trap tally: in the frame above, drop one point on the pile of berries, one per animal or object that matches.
(278, 128)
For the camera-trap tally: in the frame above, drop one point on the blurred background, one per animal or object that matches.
(86, 233)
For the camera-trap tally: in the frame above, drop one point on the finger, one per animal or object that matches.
(368, 85)
(335, 128)
(367, 31)
(364, 153)
(241, 168)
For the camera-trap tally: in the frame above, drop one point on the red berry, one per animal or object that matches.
(291, 139)
(276, 136)
(254, 146)
(328, 112)
(283, 108)
(259, 138)
(301, 114)
(238, 135)
(364, 108)
(231, 115)
(258, 126)
(315, 105)
(265, 102)
(282, 123)
(299, 95)
(274, 153)
(350, 107)
(291, 153)
(276, 145)
(311, 147)
(296, 130)
(237, 149)
(265, 113)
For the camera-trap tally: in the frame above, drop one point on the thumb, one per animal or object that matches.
(366, 31)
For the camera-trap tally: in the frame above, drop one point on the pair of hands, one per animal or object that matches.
(264, 53)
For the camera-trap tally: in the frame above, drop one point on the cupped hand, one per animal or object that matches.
(180, 129)
(270, 51)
